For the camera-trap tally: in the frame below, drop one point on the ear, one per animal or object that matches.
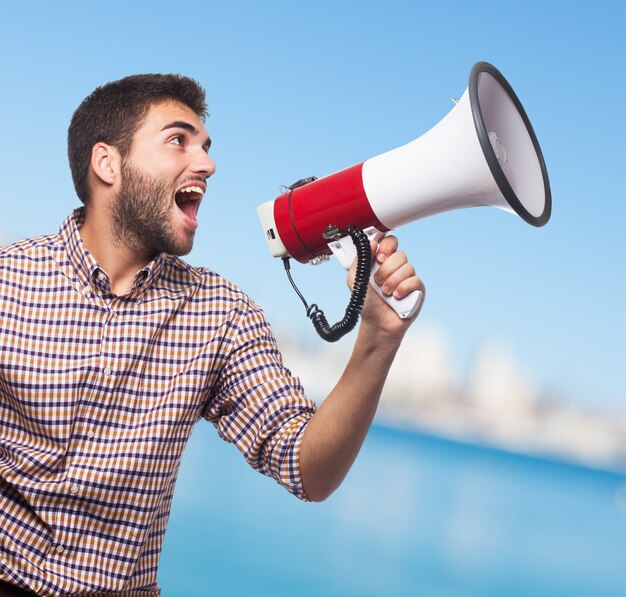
(105, 163)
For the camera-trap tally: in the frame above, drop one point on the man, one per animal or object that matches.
(113, 348)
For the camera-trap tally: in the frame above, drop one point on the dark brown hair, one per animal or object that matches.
(113, 112)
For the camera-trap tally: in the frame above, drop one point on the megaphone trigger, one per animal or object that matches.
(345, 252)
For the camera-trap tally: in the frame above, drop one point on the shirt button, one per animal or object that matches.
(108, 371)
(74, 489)
(59, 549)
(91, 434)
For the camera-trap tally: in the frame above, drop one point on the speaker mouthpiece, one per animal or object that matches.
(498, 148)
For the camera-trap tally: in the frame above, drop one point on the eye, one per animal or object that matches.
(177, 140)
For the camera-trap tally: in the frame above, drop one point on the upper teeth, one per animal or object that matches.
(192, 190)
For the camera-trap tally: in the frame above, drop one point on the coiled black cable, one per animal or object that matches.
(332, 333)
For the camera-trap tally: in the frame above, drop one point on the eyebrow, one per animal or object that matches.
(181, 124)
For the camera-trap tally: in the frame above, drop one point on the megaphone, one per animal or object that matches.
(484, 152)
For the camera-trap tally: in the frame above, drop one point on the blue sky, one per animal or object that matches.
(299, 89)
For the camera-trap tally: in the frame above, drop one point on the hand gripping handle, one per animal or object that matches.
(345, 251)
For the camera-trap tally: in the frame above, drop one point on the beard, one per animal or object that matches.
(142, 215)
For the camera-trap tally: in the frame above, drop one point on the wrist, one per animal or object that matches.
(379, 339)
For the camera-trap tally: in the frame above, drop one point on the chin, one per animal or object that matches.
(182, 249)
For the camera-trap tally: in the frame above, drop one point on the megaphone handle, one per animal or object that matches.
(404, 307)
(345, 252)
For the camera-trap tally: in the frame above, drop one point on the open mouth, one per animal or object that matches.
(188, 200)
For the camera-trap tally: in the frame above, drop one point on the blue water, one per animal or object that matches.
(417, 515)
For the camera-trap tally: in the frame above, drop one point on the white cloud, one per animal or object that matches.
(498, 384)
(423, 368)
(318, 364)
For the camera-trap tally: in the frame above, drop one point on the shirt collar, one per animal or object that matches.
(86, 267)
(146, 276)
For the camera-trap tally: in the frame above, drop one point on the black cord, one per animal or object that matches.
(288, 270)
(332, 333)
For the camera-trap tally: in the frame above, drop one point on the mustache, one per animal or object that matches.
(192, 178)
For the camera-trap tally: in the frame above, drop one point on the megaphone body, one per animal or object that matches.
(484, 152)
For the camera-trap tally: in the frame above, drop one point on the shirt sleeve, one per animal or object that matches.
(259, 406)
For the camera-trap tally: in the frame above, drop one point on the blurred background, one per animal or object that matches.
(496, 465)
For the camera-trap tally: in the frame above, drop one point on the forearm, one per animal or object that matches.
(336, 432)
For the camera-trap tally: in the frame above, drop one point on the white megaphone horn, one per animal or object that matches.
(484, 152)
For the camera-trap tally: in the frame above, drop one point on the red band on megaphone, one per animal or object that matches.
(302, 215)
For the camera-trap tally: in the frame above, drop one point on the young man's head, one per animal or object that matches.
(113, 113)
(138, 150)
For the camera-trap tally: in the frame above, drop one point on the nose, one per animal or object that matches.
(204, 164)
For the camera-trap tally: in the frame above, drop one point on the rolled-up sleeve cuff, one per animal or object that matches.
(282, 455)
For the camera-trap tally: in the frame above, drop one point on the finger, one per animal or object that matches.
(392, 263)
(402, 274)
(409, 285)
(387, 246)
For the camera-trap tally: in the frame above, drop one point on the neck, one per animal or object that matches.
(118, 260)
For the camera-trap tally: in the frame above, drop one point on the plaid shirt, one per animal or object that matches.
(98, 396)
